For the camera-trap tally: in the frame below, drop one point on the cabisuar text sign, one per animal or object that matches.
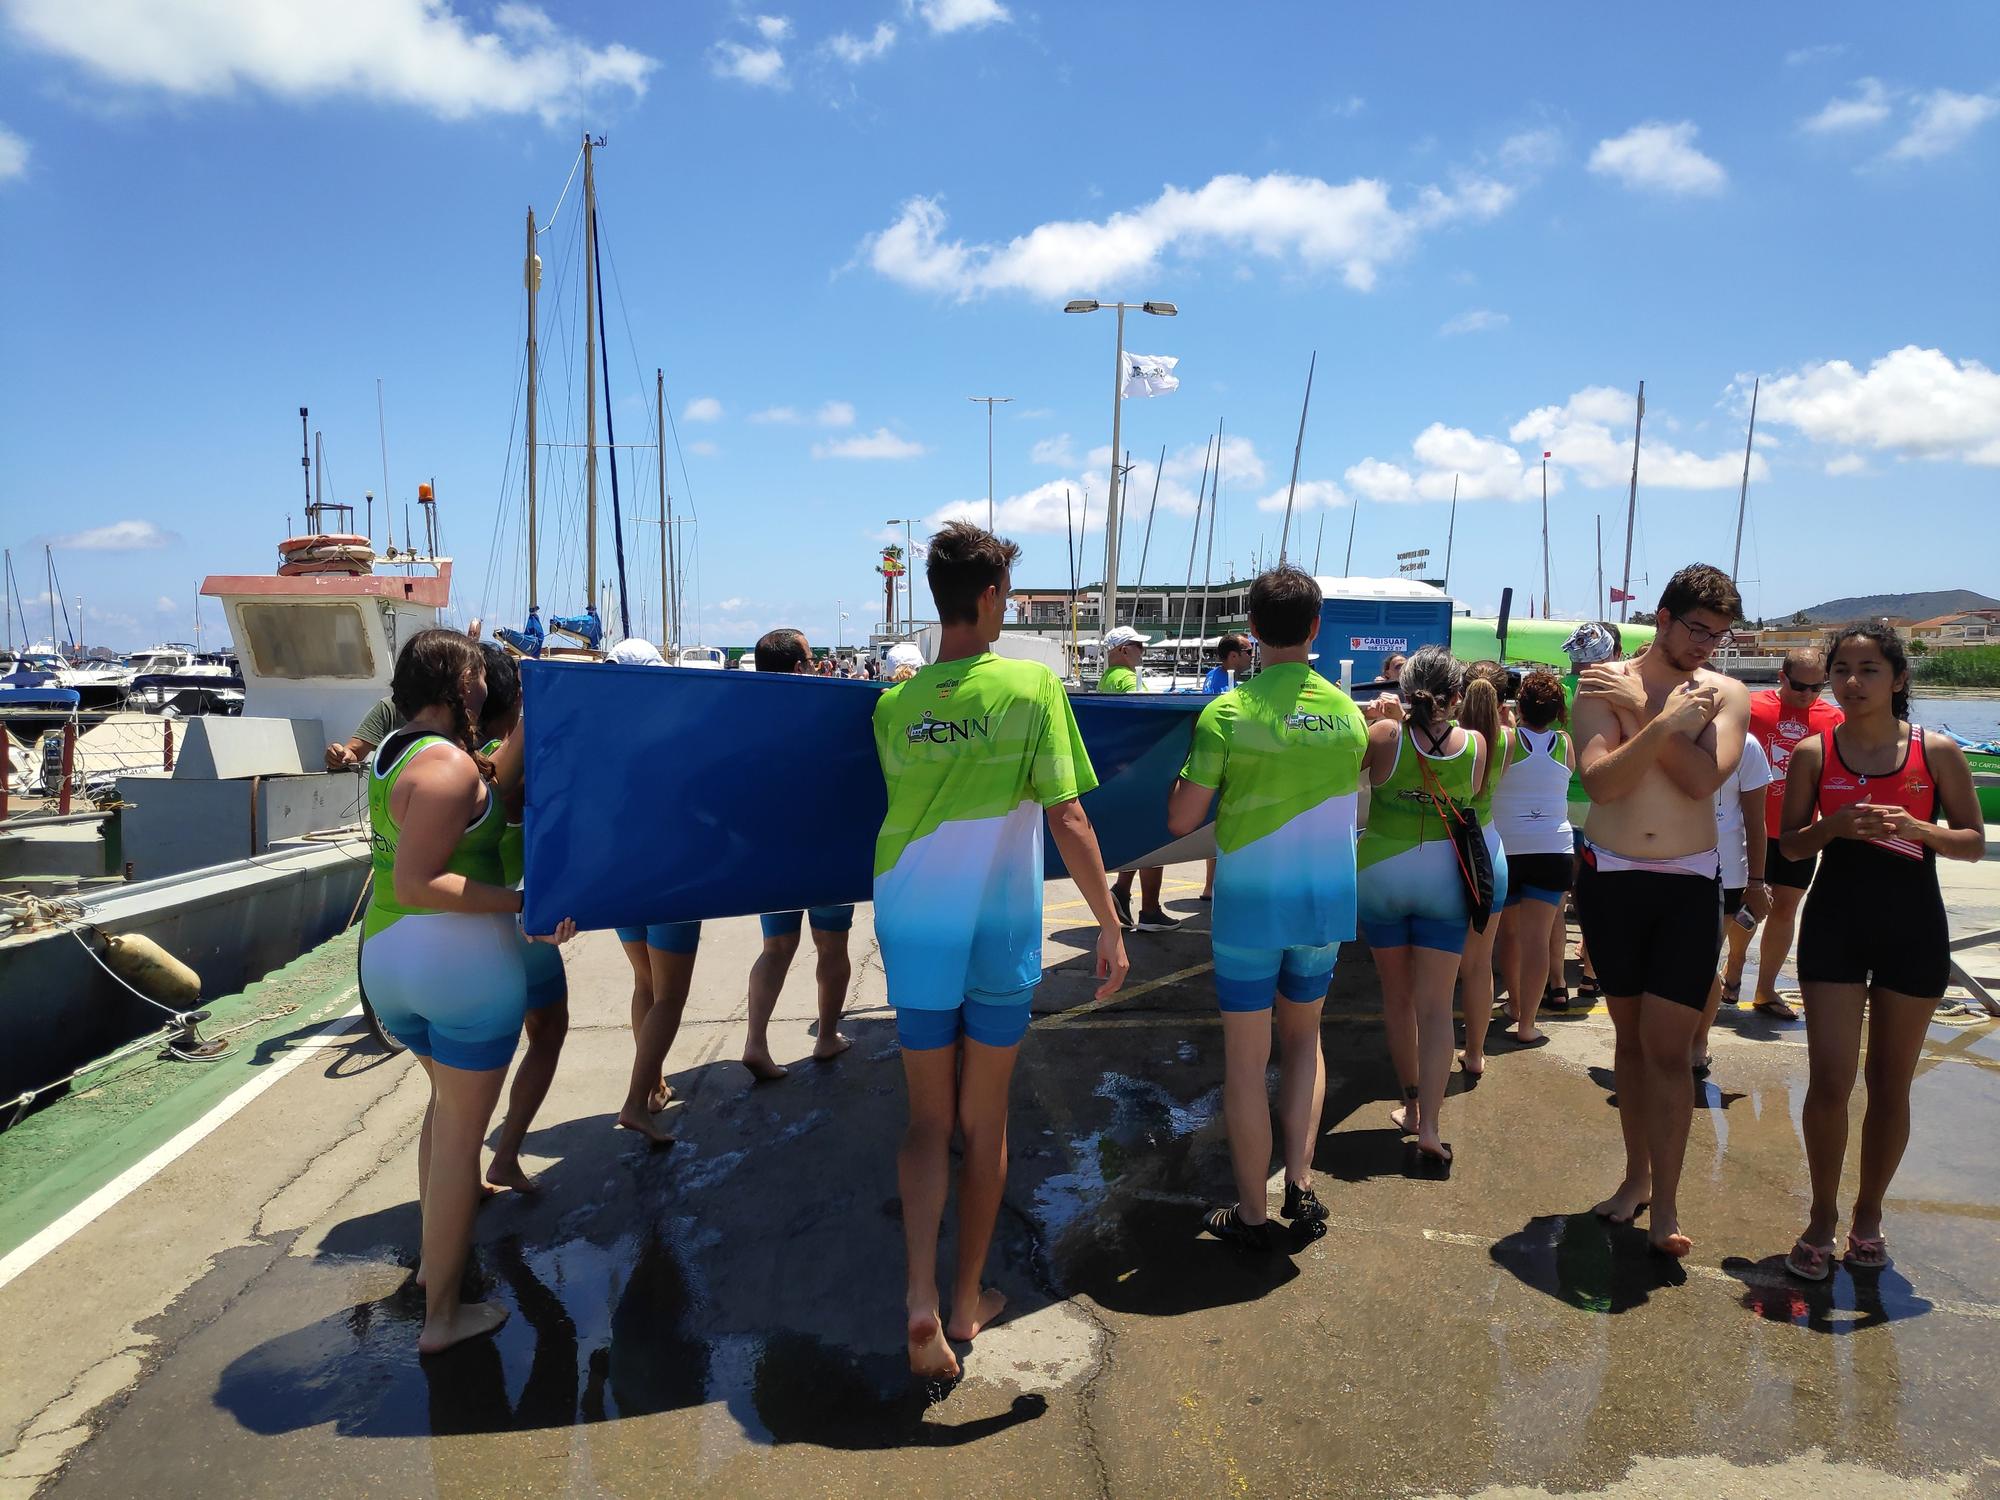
(664, 795)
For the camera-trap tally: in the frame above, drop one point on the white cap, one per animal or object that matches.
(633, 652)
(1124, 635)
(902, 654)
(1589, 644)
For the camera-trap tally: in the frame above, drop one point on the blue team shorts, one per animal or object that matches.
(824, 919)
(450, 986)
(548, 982)
(668, 937)
(1247, 978)
(1444, 934)
(993, 1023)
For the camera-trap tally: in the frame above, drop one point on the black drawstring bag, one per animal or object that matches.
(1468, 843)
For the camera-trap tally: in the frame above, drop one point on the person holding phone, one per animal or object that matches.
(1873, 937)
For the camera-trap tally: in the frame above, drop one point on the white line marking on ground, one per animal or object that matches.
(137, 1175)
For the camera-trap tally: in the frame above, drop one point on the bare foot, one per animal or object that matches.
(507, 1172)
(470, 1321)
(642, 1122)
(763, 1067)
(660, 1098)
(1673, 1242)
(991, 1302)
(1474, 1064)
(1405, 1118)
(1625, 1205)
(830, 1047)
(930, 1356)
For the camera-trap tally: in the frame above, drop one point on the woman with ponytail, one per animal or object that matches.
(1413, 906)
(442, 961)
(1481, 713)
(1873, 937)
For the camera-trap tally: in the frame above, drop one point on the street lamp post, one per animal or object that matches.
(840, 630)
(1111, 518)
(990, 402)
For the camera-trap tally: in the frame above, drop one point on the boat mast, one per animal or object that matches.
(660, 445)
(1298, 448)
(532, 274)
(1545, 536)
(1147, 545)
(1451, 531)
(590, 369)
(1743, 497)
(1208, 558)
(1194, 540)
(1320, 543)
(1600, 567)
(1632, 505)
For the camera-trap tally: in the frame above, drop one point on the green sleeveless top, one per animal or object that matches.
(477, 856)
(513, 840)
(1497, 762)
(1400, 815)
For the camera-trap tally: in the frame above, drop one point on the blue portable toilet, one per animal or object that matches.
(1365, 621)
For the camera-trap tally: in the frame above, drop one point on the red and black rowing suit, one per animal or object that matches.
(1875, 914)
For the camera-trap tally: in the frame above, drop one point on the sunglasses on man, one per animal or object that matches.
(1802, 687)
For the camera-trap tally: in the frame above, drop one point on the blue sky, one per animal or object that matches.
(832, 225)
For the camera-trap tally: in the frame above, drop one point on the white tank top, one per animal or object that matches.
(1531, 804)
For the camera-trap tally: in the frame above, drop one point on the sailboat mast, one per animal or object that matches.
(532, 274)
(1194, 539)
(1450, 533)
(1545, 536)
(1285, 536)
(1146, 546)
(1208, 558)
(1743, 497)
(660, 442)
(1600, 567)
(1353, 515)
(1632, 505)
(590, 370)
(1320, 543)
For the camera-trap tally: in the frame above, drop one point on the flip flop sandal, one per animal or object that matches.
(1436, 1163)
(1777, 1010)
(1587, 992)
(1732, 994)
(1555, 999)
(1867, 1254)
(1810, 1262)
(1702, 1065)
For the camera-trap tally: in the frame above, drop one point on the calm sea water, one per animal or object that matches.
(1975, 718)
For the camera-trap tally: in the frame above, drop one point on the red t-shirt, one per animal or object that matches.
(1778, 728)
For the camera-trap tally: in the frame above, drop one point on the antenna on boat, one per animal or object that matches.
(388, 501)
(305, 464)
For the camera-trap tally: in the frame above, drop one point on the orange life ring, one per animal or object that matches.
(293, 544)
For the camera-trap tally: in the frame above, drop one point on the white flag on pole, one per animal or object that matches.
(1150, 375)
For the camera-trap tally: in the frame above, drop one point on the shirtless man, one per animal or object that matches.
(1656, 736)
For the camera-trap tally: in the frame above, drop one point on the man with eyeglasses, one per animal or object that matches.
(1657, 736)
(1780, 718)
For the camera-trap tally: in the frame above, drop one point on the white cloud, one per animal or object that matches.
(835, 414)
(1350, 226)
(1943, 122)
(166, 606)
(1869, 106)
(1040, 510)
(774, 28)
(1590, 436)
(731, 606)
(1532, 150)
(1482, 468)
(1915, 402)
(1054, 450)
(853, 51)
(785, 416)
(945, 16)
(881, 443)
(704, 447)
(414, 52)
(761, 67)
(1822, 52)
(1847, 463)
(119, 536)
(1660, 157)
(1323, 493)
(1348, 108)
(13, 154)
(703, 409)
(1479, 320)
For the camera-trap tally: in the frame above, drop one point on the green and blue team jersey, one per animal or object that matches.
(477, 856)
(972, 752)
(1285, 751)
(1118, 680)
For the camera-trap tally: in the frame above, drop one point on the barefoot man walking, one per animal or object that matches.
(977, 750)
(1657, 735)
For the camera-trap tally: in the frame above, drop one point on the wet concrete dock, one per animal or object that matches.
(724, 1316)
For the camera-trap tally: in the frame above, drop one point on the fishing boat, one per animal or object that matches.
(1983, 756)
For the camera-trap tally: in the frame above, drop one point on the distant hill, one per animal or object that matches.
(1895, 606)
